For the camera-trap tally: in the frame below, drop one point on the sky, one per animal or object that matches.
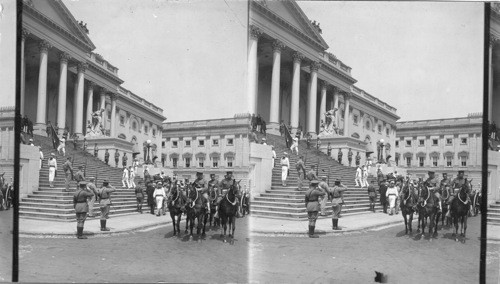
(425, 59)
(189, 57)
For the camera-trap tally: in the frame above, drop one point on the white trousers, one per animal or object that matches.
(125, 182)
(284, 173)
(358, 181)
(52, 174)
(392, 202)
(159, 204)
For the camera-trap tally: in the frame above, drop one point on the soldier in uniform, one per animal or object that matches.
(106, 156)
(432, 184)
(445, 181)
(150, 189)
(75, 142)
(79, 175)
(323, 186)
(301, 170)
(456, 185)
(329, 149)
(68, 171)
(336, 195)
(349, 156)
(383, 198)
(92, 188)
(117, 157)
(224, 186)
(201, 186)
(81, 207)
(312, 205)
(139, 194)
(105, 202)
(358, 159)
(372, 194)
(124, 159)
(311, 174)
(96, 150)
(213, 187)
(339, 156)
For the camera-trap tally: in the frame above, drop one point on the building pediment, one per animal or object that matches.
(290, 15)
(55, 15)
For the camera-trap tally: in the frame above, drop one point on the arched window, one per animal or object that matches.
(134, 125)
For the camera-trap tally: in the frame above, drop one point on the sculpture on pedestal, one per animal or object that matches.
(95, 128)
(329, 128)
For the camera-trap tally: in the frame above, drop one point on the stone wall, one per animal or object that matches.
(29, 169)
(260, 168)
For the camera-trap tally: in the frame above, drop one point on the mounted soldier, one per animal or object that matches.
(200, 184)
(445, 181)
(224, 186)
(456, 185)
(432, 184)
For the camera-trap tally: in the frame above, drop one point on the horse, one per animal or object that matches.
(228, 208)
(445, 194)
(407, 205)
(176, 206)
(459, 210)
(195, 210)
(427, 208)
(212, 196)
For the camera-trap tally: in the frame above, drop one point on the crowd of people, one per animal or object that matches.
(6, 192)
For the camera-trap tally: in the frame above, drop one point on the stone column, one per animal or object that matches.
(102, 105)
(42, 87)
(346, 114)
(336, 106)
(78, 125)
(273, 126)
(61, 99)
(294, 110)
(90, 101)
(312, 100)
(255, 33)
(322, 105)
(112, 130)
(24, 34)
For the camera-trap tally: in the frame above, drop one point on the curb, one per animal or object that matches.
(98, 233)
(325, 233)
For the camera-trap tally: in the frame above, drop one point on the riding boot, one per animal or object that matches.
(311, 234)
(140, 208)
(80, 233)
(103, 226)
(333, 224)
(336, 225)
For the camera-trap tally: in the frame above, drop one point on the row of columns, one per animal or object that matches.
(278, 46)
(78, 106)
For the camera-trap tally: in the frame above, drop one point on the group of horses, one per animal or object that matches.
(422, 200)
(191, 203)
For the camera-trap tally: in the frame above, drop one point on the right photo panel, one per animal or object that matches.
(370, 116)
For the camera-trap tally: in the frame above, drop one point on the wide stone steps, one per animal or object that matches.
(493, 217)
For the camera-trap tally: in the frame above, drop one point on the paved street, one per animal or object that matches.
(354, 257)
(6, 245)
(147, 256)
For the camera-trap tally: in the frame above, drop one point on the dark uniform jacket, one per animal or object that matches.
(117, 156)
(201, 183)
(311, 175)
(337, 194)
(106, 156)
(371, 191)
(105, 195)
(383, 191)
(457, 184)
(311, 199)
(80, 200)
(67, 167)
(299, 166)
(79, 176)
(150, 189)
(225, 184)
(138, 192)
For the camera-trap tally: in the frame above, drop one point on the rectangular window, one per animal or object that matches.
(387, 131)
(188, 162)
(449, 141)
(355, 119)
(174, 162)
(380, 128)
(434, 142)
(230, 162)
(122, 120)
(421, 142)
(215, 162)
(420, 161)
(146, 129)
(408, 143)
(463, 141)
(397, 144)
(201, 162)
(109, 114)
(154, 132)
(448, 161)
(188, 143)
(174, 144)
(215, 142)
(434, 161)
(230, 141)
(201, 143)
(463, 161)
(408, 161)
(163, 144)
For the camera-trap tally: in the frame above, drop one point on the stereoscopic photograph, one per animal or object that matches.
(255, 141)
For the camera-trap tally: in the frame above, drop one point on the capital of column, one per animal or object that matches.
(315, 66)
(64, 57)
(91, 85)
(278, 45)
(255, 32)
(493, 39)
(113, 96)
(347, 96)
(24, 34)
(82, 67)
(323, 85)
(44, 46)
(297, 57)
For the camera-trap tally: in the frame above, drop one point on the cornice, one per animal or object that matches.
(149, 112)
(371, 106)
(57, 28)
(102, 72)
(270, 15)
(350, 80)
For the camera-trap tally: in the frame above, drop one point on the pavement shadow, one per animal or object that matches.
(88, 234)
(228, 240)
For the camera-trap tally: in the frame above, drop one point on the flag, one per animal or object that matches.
(55, 139)
(288, 137)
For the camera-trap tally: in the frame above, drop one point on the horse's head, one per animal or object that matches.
(466, 187)
(234, 189)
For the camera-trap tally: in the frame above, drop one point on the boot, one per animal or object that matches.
(140, 208)
(80, 233)
(333, 224)
(103, 226)
(336, 224)
(311, 232)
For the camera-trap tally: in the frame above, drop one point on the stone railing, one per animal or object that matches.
(332, 59)
(126, 93)
(99, 60)
(373, 99)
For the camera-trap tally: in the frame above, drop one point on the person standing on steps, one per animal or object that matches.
(81, 207)
(62, 147)
(106, 156)
(301, 171)
(339, 156)
(96, 150)
(295, 145)
(139, 194)
(125, 178)
(150, 189)
(372, 194)
(336, 195)
(311, 174)
(105, 202)
(117, 158)
(79, 175)
(52, 169)
(312, 206)
(68, 171)
(383, 192)
(285, 165)
(358, 159)
(273, 154)
(364, 176)
(359, 174)
(124, 159)
(131, 177)
(92, 188)
(323, 186)
(85, 146)
(41, 156)
(75, 142)
(349, 157)
(308, 141)
(329, 150)
(318, 143)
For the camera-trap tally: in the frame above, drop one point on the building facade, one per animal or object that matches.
(212, 146)
(441, 145)
(295, 79)
(63, 82)
(494, 103)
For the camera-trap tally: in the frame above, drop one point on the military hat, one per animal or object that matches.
(229, 173)
(324, 177)
(199, 173)
(337, 182)
(430, 172)
(159, 183)
(82, 183)
(212, 175)
(461, 172)
(91, 178)
(314, 181)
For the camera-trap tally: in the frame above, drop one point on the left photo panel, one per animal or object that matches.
(135, 155)
(7, 134)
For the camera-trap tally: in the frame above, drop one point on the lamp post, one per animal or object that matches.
(381, 151)
(148, 145)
